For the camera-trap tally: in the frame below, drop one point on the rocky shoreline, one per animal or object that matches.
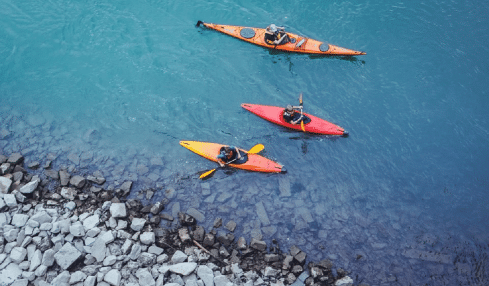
(64, 229)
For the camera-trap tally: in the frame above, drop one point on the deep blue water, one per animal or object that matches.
(117, 84)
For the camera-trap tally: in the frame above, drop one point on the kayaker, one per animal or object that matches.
(227, 155)
(276, 35)
(291, 115)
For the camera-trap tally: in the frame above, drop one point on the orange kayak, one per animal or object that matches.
(297, 44)
(249, 162)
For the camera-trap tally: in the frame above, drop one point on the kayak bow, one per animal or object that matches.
(274, 115)
(254, 163)
(297, 44)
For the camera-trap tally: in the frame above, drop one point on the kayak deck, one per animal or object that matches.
(254, 163)
(297, 44)
(274, 115)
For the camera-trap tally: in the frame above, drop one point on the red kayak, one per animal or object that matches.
(312, 125)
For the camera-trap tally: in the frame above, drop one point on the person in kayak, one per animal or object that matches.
(291, 116)
(276, 35)
(228, 154)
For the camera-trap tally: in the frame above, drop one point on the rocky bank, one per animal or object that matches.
(64, 229)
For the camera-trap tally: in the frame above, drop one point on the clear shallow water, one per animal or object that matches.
(118, 84)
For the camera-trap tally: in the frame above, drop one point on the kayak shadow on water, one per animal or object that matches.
(352, 59)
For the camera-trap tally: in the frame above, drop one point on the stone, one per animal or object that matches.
(5, 184)
(91, 222)
(110, 260)
(113, 277)
(35, 260)
(15, 158)
(77, 229)
(52, 174)
(68, 193)
(41, 270)
(62, 279)
(137, 224)
(10, 200)
(19, 220)
(231, 226)
(77, 276)
(262, 213)
(126, 187)
(196, 214)
(258, 244)
(345, 281)
(155, 250)
(284, 187)
(222, 280)
(77, 181)
(184, 268)
(18, 254)
(118, 210)
(67, 255)
(90, 281)
(135, 251)
(147, 259)
(64, 178)
(48, 258)
(178, 257)
(96, 180)
(98, 249)
(147, 238)
(10, 274)
(145, 277)
(41, 217)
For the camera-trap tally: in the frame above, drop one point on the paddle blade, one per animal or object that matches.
(302, 126)
(256, 149)
(199, 23)
(207, 174)
(300, 99)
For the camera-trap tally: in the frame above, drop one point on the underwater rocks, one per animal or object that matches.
(56, 232)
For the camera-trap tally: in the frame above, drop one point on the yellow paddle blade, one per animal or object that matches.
(300, 99)
(207, 174)
(302, 126)
(256, 149)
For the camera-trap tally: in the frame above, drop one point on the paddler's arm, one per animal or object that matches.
(298, 120)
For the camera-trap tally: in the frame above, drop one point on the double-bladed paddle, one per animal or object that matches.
(302, 120)
(254, 150)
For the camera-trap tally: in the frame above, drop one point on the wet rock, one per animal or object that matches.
(209, 239)
(68, 193)
(196, 214)
(64, 178)
(184, 235)
(126, 187)
(33, 165)
(157, 208)
(52, 174)
(262, 213)
(77, 181)
(185, 219)
(218, 222)
(96, 180)
(198, 233)
(15, 158)
(231, 226)
(258, 244)
(345, 281)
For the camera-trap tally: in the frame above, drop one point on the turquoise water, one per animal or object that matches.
(117, 84)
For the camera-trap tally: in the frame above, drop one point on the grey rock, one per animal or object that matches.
(98, 249)
(345, 281)
(77, 181)
(137, 224)
(77, 229)
(10, 274)
(90, 281)
(29, 187)
(145, 277)
(35, 260)
(270, 272)
(147, 259)
(126, 187)
(96, 180)
(222, 280)
(258, 244)
(10, 200)
(67, 255)
(5, 184)
(262, 213)
(62, 279)
(113, 277)
(41, 270)
(68, 193)
(18, 254)
(15, 158)
(76, 277)
(91, 222)
(184, 268)
(126, 246)
(231, 226)
(19, 220)
(155, 250)
(64, 178)
(118, 210)
(178, 257)
(52, 174)
(48, 258)
(135, 251)
(196, 214)
(20, 282)
(42, 217)
(284, 187)
(110, 260)
(147, 238)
